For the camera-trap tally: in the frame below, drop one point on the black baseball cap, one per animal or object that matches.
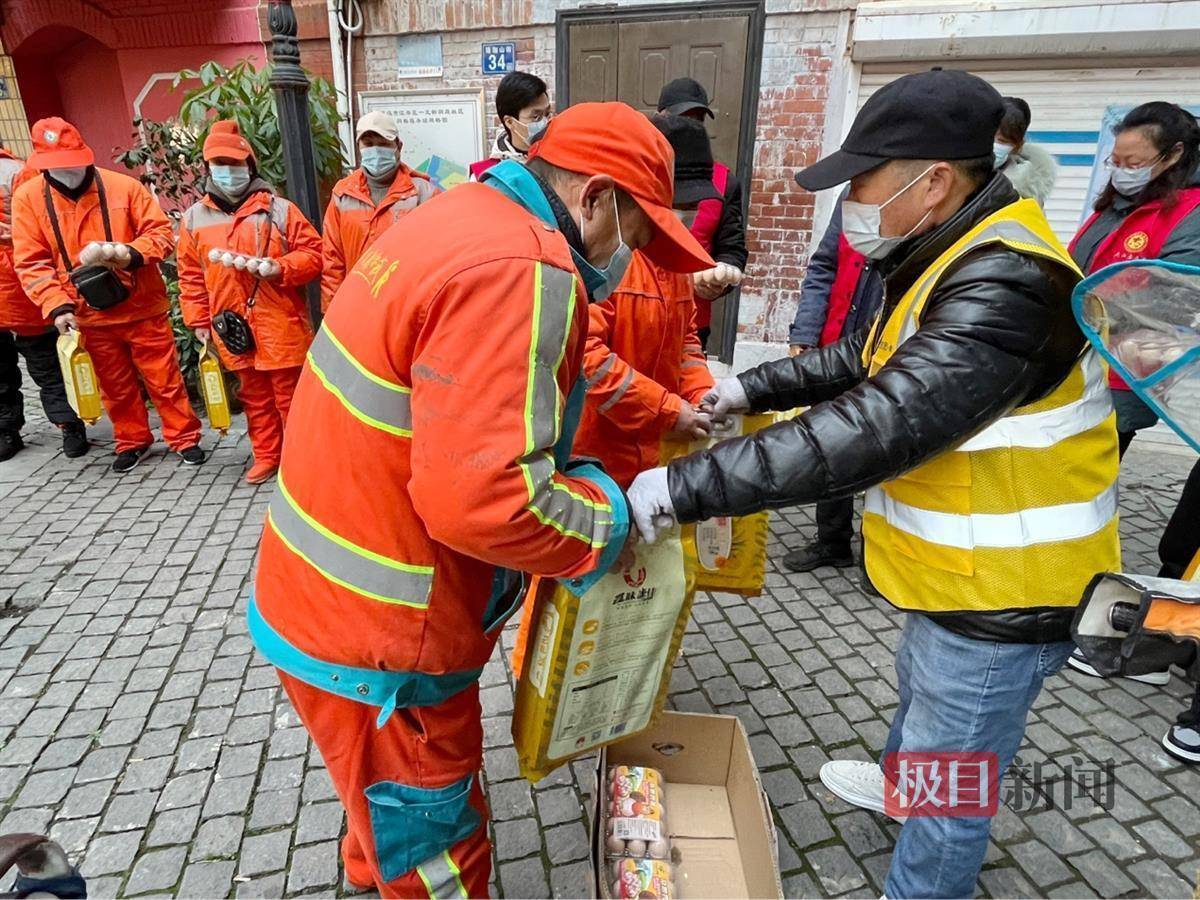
(682, 95)
(693, 158)
(939, 114)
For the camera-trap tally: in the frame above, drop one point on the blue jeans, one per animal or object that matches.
(961, 695)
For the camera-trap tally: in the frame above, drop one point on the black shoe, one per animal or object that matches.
(1183, 743)
(127, 459)
(192, 456)
(816, 555)
(10, 445)
(75, 442)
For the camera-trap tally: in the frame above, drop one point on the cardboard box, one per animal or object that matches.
(722, 835)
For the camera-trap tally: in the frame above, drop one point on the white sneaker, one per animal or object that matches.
(1183, 742)
(1079, 663)
(856, 782)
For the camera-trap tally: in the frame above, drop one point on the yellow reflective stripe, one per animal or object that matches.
(344, 562)
(552, 503)
(442, 878)
(371, 399)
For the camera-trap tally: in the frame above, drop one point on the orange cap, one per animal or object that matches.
(615, 139)
(225, 141)
(57, 144)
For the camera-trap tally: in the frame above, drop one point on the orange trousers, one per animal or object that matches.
(266, 397)
(422, 747)
(120, 354)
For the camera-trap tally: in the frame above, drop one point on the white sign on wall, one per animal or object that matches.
(442, 132)
(419, 56)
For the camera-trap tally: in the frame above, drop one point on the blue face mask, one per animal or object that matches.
(231, 180)
(379, 161)
(601, 282)
(1000, 154)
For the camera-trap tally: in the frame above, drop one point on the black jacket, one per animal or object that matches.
(729, 240)
(996, 333)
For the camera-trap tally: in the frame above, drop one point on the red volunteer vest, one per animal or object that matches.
(1140, 236)
(849, 269)
(704, 229)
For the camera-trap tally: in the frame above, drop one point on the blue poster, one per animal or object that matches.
(499, 58)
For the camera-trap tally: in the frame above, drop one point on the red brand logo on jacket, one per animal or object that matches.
(635, 580)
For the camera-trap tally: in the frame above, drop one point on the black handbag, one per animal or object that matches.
(234, 332)
(99, 286)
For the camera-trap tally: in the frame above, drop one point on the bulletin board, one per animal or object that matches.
(442, 131)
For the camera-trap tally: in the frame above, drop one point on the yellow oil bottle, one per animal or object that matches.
(212, 388)
(79, 376)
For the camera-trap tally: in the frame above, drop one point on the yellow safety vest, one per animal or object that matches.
(1023, 513)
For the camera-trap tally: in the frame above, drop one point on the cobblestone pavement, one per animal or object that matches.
(138, 727)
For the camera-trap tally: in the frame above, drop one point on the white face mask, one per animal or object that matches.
(861, 224)
(602, 281)
(1000, 153)
(1130, 182)
(70, 178)
(379, 161)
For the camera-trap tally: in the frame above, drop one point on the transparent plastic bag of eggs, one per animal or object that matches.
(636, 826)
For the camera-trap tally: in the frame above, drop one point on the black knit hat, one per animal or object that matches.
(693, 158)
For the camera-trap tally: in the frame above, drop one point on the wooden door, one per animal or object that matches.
(710, 50)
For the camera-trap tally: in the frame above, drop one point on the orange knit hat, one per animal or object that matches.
(225, 141)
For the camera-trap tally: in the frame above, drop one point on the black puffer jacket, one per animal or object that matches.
(997, 333)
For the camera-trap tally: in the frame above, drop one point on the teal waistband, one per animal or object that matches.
(387, 690)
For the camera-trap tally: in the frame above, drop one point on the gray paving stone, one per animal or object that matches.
(836, 869)
(319, 822)
(129, 812)
(314, 866)
(255, 888)
(174, 826)
(1102, 874)
(806, 823)
(274, 808)
(1004, 881)
(262, 853)
(157, 870)
(1158, 879)
(207, 879)
(571, 880)
(517, 838)
(1040, 863)
(218, 838)
(566, 843)
(510, 800)
(524, 878)
(111, 853)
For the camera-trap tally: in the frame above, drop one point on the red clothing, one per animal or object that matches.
(18, 313)
(122, 353)
(266, 397)
(841, 294)
(1141, 235)
(137, 220)
(478, 168)
(704, 229)
(353, 222)
(643, 359)
(264, 226)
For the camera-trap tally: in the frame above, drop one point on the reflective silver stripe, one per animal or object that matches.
(344, 562)
(279, 218)
(346, 203)
(692, 363)
(368, 397)
(618, 393)
(1024, 528)
(1049, 427)
(201, 215)
(441, 877)
(40, 281)
(552, 502)
(1005, 229)
(601, 371)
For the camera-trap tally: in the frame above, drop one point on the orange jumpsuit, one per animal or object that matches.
(125, 341)
(264, 226)
(643, 359)
(353, 222)
(424, 470)
(18, 313)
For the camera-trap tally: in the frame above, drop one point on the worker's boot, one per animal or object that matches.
(10, 444)
(75, 442)
(261, 472)
(818, 554)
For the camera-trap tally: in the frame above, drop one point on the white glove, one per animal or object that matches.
(727, 396)
(650, 504)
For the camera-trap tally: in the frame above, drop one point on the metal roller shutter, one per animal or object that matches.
(1068, 106)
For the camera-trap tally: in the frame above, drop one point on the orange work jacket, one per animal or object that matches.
(353, 222)
(137, 220)
(265, 226)
(643, 359)
(418, 477)
(17, 312)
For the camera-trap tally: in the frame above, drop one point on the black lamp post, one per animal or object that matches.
(290, 85)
